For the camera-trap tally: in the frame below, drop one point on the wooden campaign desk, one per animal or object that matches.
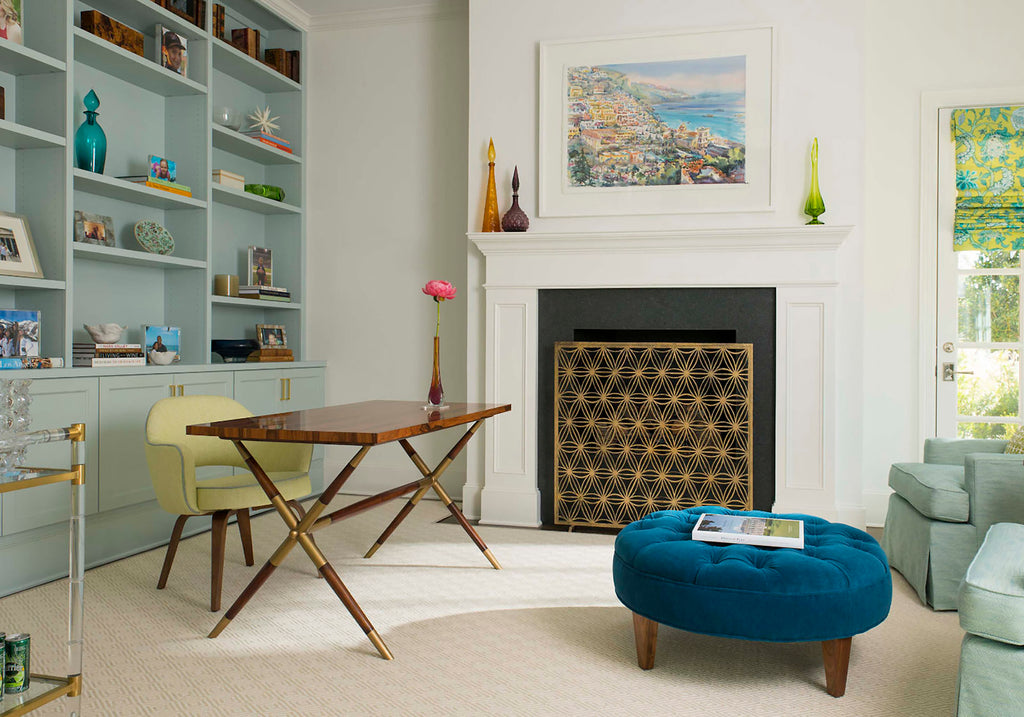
(366, 424)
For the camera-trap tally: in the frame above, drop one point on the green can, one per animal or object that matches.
(17, 649)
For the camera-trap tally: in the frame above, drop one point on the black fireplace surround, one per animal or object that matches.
(713, 315)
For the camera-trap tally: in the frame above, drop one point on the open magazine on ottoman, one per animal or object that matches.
(750, 530)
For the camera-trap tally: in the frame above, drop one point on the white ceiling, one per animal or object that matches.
(331, 7)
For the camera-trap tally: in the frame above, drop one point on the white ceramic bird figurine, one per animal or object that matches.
(105, 333)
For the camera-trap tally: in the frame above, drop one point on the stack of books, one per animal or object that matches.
(31, 362)
(162, 184)
(272, 140)
(89, 355)
(268, 293)
(229, 179)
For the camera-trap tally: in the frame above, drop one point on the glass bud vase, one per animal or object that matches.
(90, 139)
(814, 207)
(435, 396)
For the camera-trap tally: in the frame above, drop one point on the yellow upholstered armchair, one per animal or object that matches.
(173, 458)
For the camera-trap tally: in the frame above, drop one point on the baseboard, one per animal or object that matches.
(876, 505)
(520, 509)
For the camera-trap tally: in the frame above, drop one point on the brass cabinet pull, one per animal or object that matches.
(174, 390)
(283, 398)
(181, 389)
(289, 388)
(177, 389)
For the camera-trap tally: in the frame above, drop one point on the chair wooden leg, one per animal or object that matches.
(218, 536)
(245, 532)
(172, 548)
(645, 632)
(836, 654)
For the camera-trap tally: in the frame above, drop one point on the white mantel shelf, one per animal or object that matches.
(507, 272)
(807, 238)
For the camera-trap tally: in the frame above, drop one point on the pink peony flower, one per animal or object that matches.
(440, 290)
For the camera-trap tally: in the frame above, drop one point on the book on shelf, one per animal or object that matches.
(749, 530)
(102, 361)
(104, 347)
(265, 297)
(266, 290)
(275, 145)
(258, 134)
(145, 178)
(16, 362)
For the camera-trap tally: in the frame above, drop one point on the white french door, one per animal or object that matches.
(978, 322)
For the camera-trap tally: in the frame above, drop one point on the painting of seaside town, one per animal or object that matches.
(657, 123)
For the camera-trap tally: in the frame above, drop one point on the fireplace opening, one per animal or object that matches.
(646, 341)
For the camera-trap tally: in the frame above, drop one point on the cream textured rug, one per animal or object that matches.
(544, 636)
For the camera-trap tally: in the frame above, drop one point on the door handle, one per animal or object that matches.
(283, 397)
(289, 389)
(949, 372)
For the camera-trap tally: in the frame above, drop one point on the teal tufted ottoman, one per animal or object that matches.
(838, 586)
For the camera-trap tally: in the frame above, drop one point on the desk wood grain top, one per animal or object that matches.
(368, 423)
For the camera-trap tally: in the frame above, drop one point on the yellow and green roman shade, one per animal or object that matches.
(989, 178)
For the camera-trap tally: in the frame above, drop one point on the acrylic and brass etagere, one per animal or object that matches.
(44, 689)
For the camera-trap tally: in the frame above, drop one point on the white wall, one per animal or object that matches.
(912, 46)
(388, 108)
(819, 94)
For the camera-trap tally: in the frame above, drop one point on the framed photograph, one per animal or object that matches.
(164, 341)
(172, 51)
(17, 252)
(191, 10)
(162, 168)
(667, 123)
(271, 336)
(94, 229)
(260, 267)
(11, 21)
(19, 333)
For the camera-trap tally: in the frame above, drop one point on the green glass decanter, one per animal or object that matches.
(814, 206)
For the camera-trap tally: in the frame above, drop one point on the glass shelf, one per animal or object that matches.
(32, 477)
(41, 689)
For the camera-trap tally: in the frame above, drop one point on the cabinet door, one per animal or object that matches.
(124, 404)
(304, 388)
(260, 390)
(209, 383)
(56, 403)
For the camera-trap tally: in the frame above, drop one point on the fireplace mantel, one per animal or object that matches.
(506, 271)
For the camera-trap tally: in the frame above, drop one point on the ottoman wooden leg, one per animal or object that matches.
(646, 633)
(836, 654)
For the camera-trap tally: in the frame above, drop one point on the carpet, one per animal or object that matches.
(544, 636)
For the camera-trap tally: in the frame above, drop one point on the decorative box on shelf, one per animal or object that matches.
(112, 31)
(264, 355)
(229, 179)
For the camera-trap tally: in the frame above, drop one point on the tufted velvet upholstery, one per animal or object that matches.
(839, 585)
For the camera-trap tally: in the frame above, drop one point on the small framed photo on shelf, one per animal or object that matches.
(162, 344)
(13, 20)
(19, 333)
(271, 336)
(172, 51)
(94, 229)
(260, 267)
(162, 168)
(191, 10)
(17, 252)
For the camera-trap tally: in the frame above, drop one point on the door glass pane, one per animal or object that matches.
(994, 387)
(985, 430)
(987, 259)
(988, 308)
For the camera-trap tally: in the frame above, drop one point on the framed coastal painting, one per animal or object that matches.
(665, 123)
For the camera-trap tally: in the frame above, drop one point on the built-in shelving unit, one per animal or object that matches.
(146, 109)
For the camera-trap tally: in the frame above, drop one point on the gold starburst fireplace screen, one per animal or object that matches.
(641, 427)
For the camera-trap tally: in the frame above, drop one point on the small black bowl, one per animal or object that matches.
(234, 350)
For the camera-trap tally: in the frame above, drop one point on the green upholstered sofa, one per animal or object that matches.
(941, 509)
(992, 614)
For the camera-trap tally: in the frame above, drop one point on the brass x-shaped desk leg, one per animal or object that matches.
(299, 532)
(432, 476)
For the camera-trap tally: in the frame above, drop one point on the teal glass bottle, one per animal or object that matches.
(90, 139)
(814, 207)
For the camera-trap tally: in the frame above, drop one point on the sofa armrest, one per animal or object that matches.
(995, 486)
(952, 451)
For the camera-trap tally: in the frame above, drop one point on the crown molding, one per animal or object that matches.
(290, 11)
(425, 12)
